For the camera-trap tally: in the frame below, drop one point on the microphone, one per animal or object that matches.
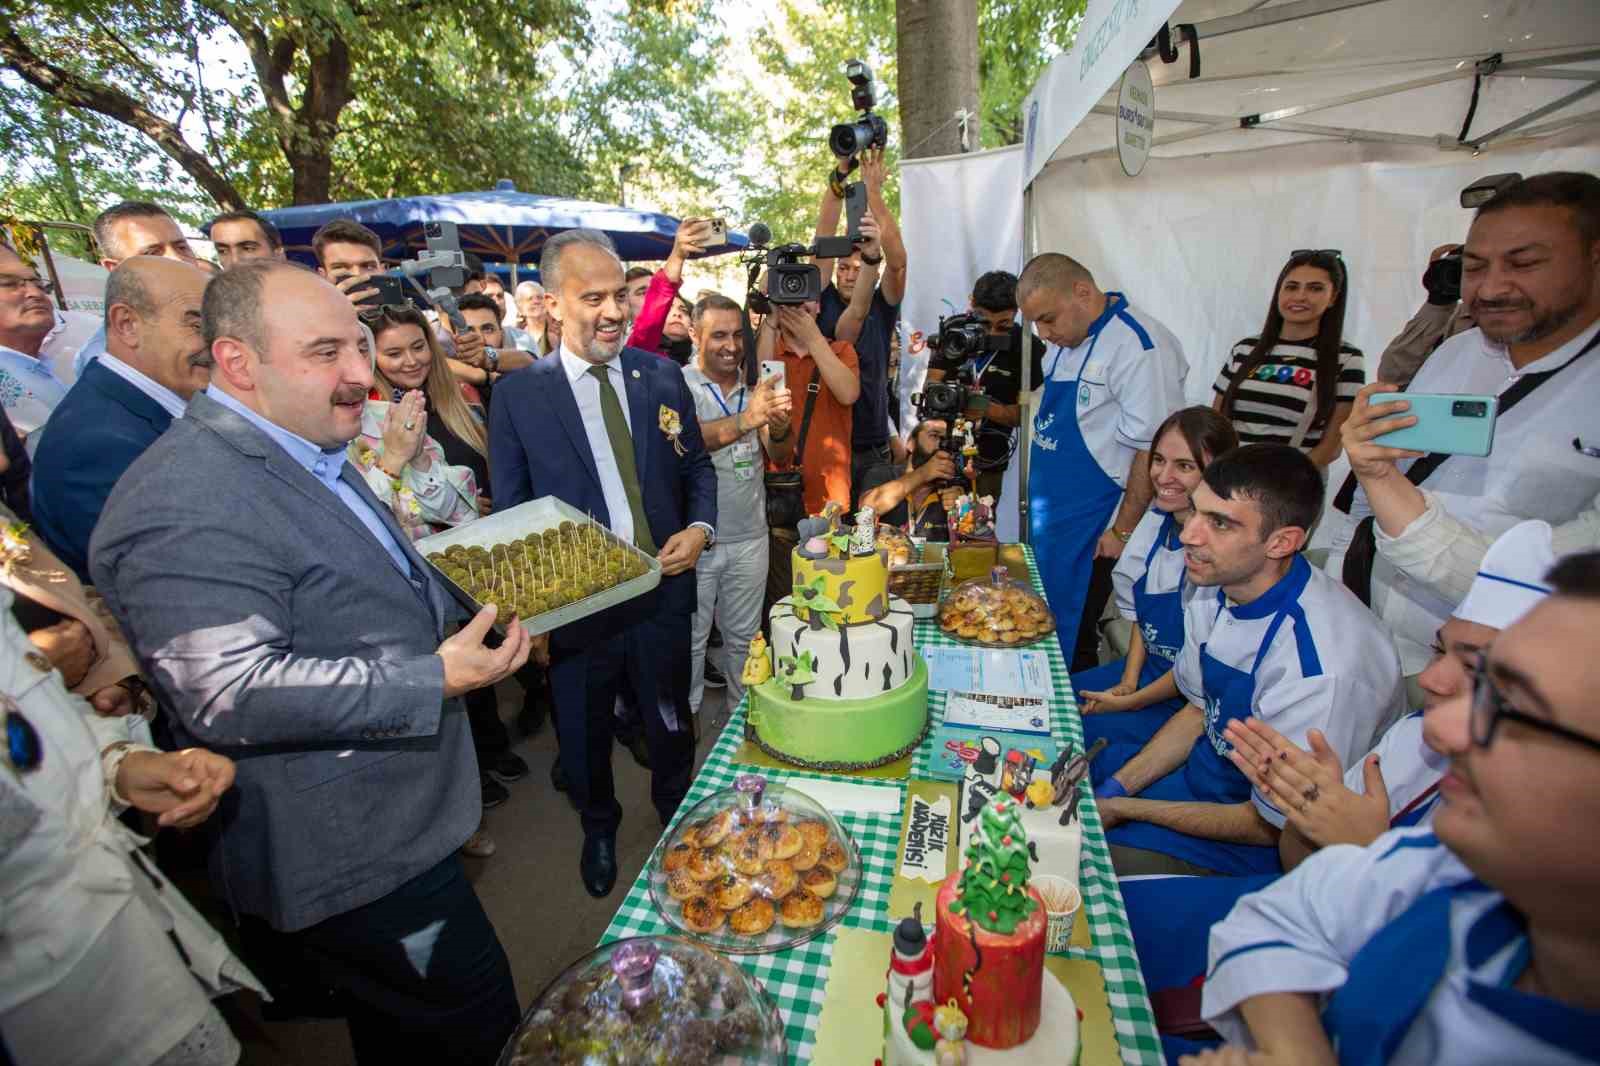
(760, 234)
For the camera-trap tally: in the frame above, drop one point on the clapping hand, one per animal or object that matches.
(183, 787)
(1369, 419)
(404, 429)
(1308, 786)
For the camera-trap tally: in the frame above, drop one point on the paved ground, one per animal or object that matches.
(530, 887)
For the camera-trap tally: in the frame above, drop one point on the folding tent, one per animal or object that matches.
(1349, 124)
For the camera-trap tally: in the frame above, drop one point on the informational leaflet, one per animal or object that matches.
(990, 671)
(987, 712)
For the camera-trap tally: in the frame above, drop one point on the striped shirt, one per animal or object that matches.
(1270, 405)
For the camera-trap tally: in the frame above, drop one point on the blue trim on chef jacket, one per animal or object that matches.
(1426, 840)
(1543, 1019)
(1245, 949)
(1542, 590)
(1494, 929)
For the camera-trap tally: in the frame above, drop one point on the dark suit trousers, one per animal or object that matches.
(652, 654)
(421, 971)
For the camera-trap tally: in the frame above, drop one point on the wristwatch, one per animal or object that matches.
(711, 534)
(869, 260)
(491, 357)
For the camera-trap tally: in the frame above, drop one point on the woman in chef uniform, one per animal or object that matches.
(1150, 588)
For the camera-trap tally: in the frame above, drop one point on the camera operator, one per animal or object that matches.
(998, 377)
(1440, 317)
(919, 501)
(862, 305)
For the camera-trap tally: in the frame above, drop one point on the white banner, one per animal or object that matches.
(1111, 35)
(961, 216)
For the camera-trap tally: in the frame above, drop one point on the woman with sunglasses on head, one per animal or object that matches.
(1294, 383)
(1150, 587)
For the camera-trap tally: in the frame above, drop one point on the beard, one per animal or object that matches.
(599, 351)
(1545, 321)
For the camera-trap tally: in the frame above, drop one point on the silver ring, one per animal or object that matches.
(410, 426)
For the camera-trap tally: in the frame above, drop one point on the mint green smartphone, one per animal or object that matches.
(1449, 423)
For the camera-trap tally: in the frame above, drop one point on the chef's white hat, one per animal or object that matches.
(1510, 579)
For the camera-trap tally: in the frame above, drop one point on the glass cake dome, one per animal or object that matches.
(650, 1001)
(755, 868)
(995, 611)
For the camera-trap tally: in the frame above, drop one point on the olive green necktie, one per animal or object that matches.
(622, 452)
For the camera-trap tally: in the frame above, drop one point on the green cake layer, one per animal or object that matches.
(840, 734)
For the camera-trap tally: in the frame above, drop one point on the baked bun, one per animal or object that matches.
(731, 891)
(834, 857)
(820, 881)
(808, 857)
(814, 832)
(777, 880)
(706, 864)
(801, 909)
(680, 886)
(784, 841)
(716, 830)
(677, 857)
(745, 854)
(752, 919)
(701, 915)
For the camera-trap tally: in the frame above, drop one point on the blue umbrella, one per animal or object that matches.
(498, 225)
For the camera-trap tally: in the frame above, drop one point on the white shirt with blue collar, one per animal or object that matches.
(324, 464)
(1440, 992)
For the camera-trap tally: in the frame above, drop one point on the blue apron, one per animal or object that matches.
(1071, 499)
(1159, 616)
(1207, 776)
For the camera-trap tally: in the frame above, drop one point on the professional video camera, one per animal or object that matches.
(1442, 279)
(960, 337)
(870, 130)
(789, 281)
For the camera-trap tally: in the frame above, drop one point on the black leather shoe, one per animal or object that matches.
(714, 678)
(508, 767)
(599, 865)
(638, 748)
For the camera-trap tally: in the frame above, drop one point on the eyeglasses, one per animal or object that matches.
(1317, 251)
(1489, 709)
(400, 312)
(13, 282)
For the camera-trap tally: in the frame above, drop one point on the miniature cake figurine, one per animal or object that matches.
(847, 688)
(991, 1002)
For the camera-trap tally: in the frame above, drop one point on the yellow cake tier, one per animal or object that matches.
(858, 586)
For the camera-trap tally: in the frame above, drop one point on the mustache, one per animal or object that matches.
(1500, 305)
(349, 394)
(203, 358)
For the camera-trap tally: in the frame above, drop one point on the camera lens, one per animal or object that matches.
(848, 138)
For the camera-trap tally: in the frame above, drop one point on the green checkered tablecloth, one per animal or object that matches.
(796, 979)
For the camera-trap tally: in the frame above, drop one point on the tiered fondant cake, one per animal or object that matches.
(846, 689)
(990, 1001)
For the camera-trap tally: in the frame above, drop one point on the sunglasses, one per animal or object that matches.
(1317, 251)
(1489, 709)
(406, 312)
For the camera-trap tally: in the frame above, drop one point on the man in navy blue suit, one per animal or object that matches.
(155, 359)
(611, 431)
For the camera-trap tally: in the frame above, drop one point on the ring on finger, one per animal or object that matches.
(410, 426)
(1312, 793)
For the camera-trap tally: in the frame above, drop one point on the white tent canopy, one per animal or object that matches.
(1391, 71)
(1313, 124)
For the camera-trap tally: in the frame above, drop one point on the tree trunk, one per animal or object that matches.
(76, 91)
(937, 55)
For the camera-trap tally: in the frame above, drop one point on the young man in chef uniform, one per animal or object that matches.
(1470, 941)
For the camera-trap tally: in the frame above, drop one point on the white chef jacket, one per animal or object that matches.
(1330, 666)
(1300, 934)
(1411, 771)
(1164, 573)
(1532, 471)
(1132, 381)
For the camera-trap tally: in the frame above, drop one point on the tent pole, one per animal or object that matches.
(1025, 393)
(1549, 61)
(1541, 112)
(1257, 17)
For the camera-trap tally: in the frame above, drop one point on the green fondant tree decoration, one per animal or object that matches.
(797, 670)
(820, 608)
(993, 892)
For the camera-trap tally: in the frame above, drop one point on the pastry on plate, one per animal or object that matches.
(834, 857)
(784, 841)
(680, 886)
(677, 857)
(746, 853)
(753, 918)
(808, 857)
(801, 909)
(731, 891)
(814, 832)
(820, 881)
(706, 864)
(701, 915)
(777, 880)
(716, 830)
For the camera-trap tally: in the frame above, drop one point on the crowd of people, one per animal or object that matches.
(219, 620)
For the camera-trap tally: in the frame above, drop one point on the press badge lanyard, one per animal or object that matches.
(716, 394)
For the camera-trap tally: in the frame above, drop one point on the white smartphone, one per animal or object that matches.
(719, 232)
(773, 368)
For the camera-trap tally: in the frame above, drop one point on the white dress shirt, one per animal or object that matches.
(587, 392)
(170, 401)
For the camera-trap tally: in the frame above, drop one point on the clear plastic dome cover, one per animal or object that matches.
(996, 611)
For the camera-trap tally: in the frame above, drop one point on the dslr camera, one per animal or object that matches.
(848, 139)
(1442, 279)
(960, 337)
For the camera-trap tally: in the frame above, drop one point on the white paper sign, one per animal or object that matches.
(1136, 118)
(998, 673)
(928, 840)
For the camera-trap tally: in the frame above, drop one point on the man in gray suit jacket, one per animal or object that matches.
(287, 622)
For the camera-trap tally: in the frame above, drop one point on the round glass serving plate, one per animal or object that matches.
(755, 868)
(995, 611)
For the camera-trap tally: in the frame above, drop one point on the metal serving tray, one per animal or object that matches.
(536, 516)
